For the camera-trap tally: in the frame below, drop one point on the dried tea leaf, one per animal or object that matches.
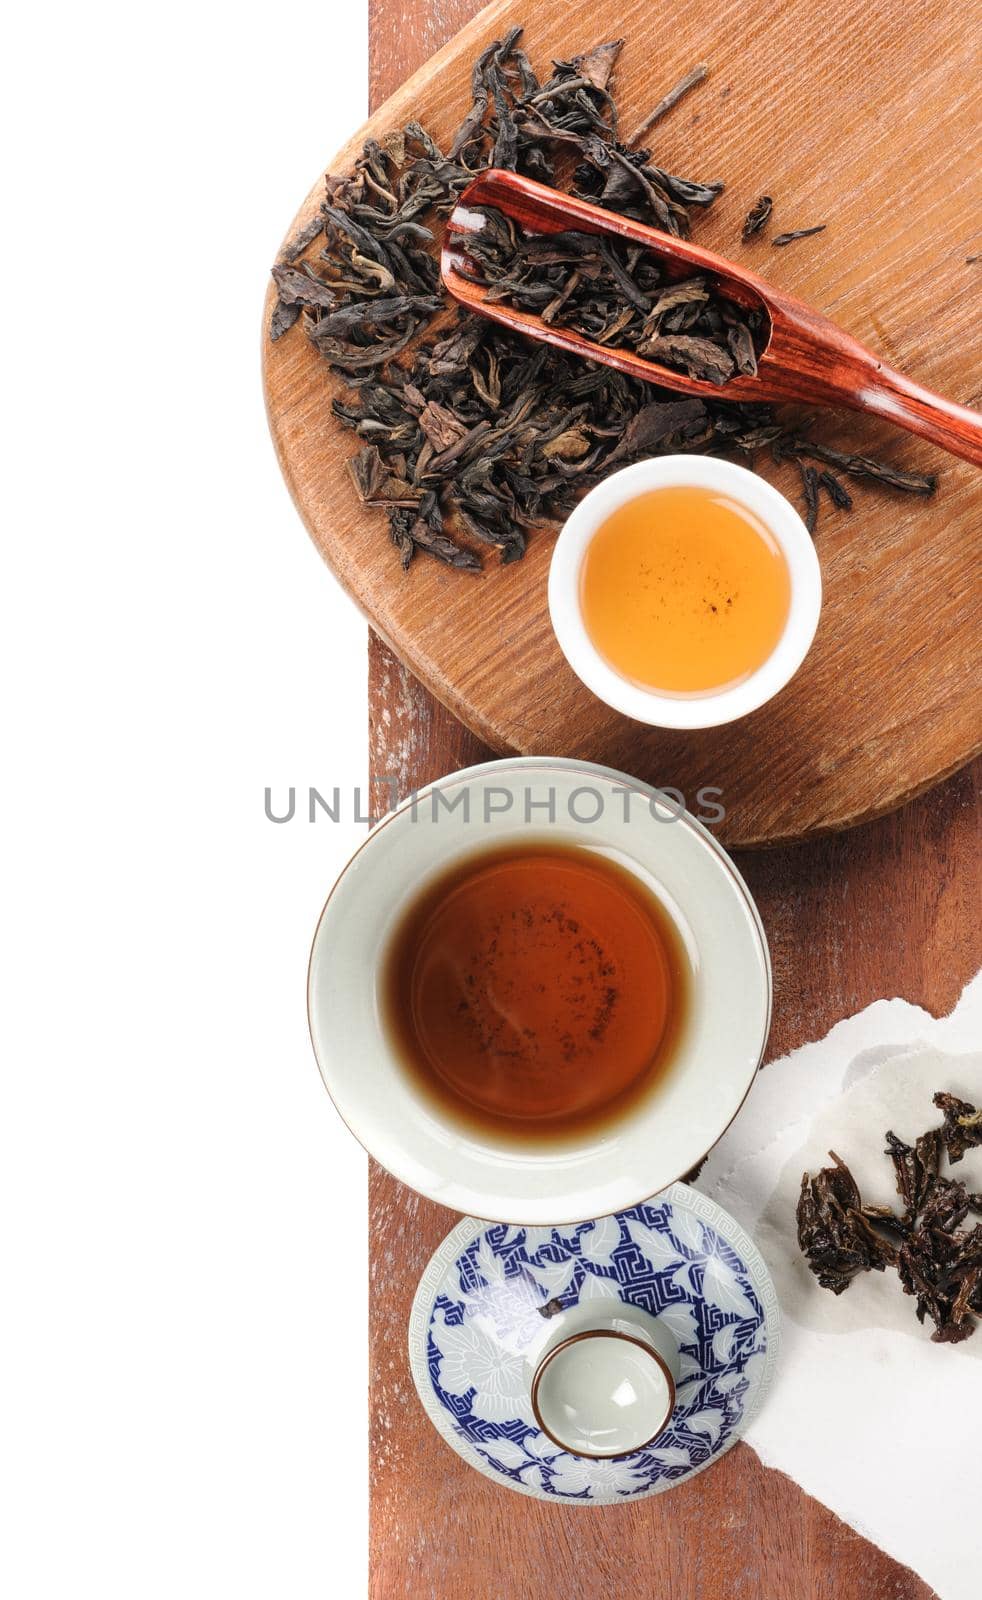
(865, 467)
(440, 426)
(373, 314)
(596, 67)
(571, 444)
(962, 1129)
(283, 317)
(302, 239)
(692, 291)
(836, 490)
(653, 424)
(376, 485)
(299, 288)
(699, 357)
(798, 233)
(809, 495)
(757, 216)
(741, 343)
(426, 537)
(669, 100)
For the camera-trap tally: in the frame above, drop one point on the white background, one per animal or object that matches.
(182, 1216)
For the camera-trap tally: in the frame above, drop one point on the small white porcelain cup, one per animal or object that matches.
(607, 1388)
(703, 710)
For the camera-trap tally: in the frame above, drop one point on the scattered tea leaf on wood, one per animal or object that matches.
(836, 490)
(304, 237)
(938, 1258)
(668, 101)
(469, 436)
(798, 233)
(809, 494)
(300, 286)
(757, 216)
(863, 466)
(285, 314)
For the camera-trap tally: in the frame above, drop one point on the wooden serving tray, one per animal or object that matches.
(865, 117)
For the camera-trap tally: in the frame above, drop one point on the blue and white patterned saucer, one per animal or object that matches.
(494, 1296)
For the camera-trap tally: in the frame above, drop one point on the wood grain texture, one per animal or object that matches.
(890, 908)
(836, 110)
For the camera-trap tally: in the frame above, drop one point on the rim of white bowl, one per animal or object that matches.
(686, 819)
(716, 707)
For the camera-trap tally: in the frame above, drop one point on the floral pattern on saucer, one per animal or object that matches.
(478, 1322)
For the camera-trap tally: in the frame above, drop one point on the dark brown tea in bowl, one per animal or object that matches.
(535, 989)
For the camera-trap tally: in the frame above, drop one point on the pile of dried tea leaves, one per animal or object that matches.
(937, 1257)
(470, 435)
(616, 294)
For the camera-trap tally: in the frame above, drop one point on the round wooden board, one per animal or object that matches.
(866, 117)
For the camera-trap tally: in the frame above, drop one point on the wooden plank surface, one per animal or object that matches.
(889, 908)
(837, 111)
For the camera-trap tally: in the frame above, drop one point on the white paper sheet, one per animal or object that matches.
(865, 1408)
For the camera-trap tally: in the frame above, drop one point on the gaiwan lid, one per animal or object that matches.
(495, 1298)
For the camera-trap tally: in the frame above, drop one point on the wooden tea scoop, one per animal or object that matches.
(807, 358)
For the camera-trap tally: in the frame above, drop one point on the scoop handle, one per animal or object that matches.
(955, 428)
(809, 358)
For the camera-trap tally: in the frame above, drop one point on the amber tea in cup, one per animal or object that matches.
(684, 590)
(535, 990)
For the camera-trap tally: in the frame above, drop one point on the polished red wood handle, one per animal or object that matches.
(897, 398)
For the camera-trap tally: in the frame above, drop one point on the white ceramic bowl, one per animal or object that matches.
(704, 710)
(664, 1135)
